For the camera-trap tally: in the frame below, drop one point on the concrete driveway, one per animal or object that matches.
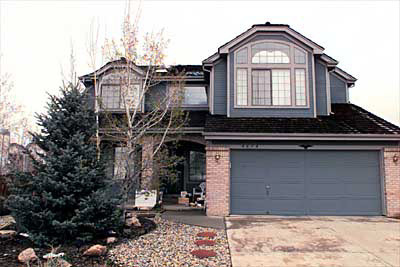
(313, 241)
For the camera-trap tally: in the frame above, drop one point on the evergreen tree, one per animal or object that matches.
(64, 198)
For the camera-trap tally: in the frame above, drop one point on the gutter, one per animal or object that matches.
(295, 136)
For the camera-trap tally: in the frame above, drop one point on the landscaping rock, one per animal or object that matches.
(7, 223)
(4, 234)
(63, 263)
(27, 255)
(169, 244)
(205, 242)
(133, 221)
(202, 253)
(111, 240)
(207, 234)
(96, 250)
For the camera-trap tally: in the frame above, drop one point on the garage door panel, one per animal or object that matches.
(314, 182)
(287, 190)
(249, 187)
(253, 169)
(361, 190)
(285, 174)
(287, 206)
(360, 206)
(324, 206)
(325, 189)
(249, 205)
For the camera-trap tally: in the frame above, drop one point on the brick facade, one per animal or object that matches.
(218, 180)
(392, 181)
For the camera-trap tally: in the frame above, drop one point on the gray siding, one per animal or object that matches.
(320, 88)
(271, 112)
(338, 90)
(220, 87)
(90, 96)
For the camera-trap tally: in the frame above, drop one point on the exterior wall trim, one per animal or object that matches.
(328, 92)
(317, 49)
(382, 180)
(297, 147)
(299, 136)
(228, 94)
(314, 83)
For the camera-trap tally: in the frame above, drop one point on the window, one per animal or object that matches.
(195, 96)
(120, 162)
(300, 80)
(110, 96)
(130, 96)
(281, 87)
(263, 53)
(197, 163)
(241, 85)
(299, 56)
(273, 74)
(261, 86)
(241, 56)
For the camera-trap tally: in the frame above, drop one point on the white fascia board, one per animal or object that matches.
(344, 75)
(330, 62)
(316, 48)
(211, 59)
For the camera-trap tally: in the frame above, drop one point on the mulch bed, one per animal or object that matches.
(9, 249)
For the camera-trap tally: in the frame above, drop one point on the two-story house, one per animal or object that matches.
(272, 131)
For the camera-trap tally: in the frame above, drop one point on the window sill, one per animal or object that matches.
(272, 107)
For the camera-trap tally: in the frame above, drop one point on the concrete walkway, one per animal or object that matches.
(313, 241)
(194, 217)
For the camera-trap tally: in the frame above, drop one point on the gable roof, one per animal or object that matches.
(346, 120)
(267, 27)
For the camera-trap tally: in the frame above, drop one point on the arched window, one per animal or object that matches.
(269, 74)
(264, 53)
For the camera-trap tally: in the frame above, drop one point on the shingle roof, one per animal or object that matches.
(347, 119)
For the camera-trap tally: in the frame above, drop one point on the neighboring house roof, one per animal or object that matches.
(189, 71)
(346, 119)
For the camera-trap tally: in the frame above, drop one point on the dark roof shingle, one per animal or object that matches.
(346, 119)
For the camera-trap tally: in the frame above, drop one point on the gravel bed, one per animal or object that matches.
(170, 244)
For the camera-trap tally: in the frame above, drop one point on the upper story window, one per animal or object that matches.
(195, 96)
(273, 74)
(263, 53)
(118, 92)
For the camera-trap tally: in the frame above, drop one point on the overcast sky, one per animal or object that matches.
(362, 36)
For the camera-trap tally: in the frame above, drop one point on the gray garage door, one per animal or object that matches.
(305, 182)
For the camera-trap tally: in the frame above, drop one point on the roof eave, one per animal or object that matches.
(299, 136)
(317, 49)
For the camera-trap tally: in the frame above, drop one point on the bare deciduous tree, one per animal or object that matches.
(136, 68)
(15, 124)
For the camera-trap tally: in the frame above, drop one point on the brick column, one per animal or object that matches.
(147, 162)
(217, 180)
(392, 181)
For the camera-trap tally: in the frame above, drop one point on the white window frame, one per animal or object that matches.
(272, 66)
(116, 83)
(194, 86)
